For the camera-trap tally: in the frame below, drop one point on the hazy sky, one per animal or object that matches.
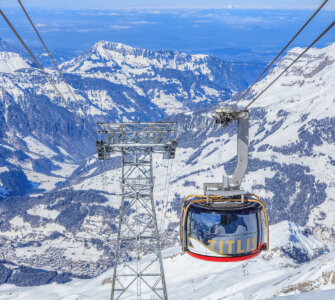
(245, 30)
(160, 4)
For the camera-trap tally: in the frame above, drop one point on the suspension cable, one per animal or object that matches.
(165, 216)
(280, 53)
(44, 72)
(292, 63)
(47, 50)
(164, 195)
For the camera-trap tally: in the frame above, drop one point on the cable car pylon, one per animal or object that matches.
(225, 224)
(134, 278)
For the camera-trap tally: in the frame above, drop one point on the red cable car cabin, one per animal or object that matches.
(218, 229)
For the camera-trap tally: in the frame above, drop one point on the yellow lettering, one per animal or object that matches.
(230, 246)
(248, 245)
(254, 243)
(239, 250)
(221, 247)
(212, 243)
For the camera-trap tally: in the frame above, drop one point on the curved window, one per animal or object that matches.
(223, 234)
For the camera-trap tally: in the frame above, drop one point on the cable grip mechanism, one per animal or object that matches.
(231, 186)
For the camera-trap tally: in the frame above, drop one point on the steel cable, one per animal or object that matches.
(165, 216)
(47, 50)
(45, 73)
(164, 196)
(281, 52)
(291, 64)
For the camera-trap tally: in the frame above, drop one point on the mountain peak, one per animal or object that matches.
(13, 61)
(110, 46)
(12, 58)
(328, 51)
(111, 54)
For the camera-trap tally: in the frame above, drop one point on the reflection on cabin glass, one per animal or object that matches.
(224, 229)
(219, 234)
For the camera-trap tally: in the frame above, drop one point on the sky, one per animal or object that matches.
(250, 30)
(159, 4)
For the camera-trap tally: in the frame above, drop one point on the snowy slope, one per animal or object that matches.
(11, 62)
(272, 274)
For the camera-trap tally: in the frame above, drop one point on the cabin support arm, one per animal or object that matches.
(231, 186)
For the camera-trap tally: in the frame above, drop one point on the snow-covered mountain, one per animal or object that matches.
(59, 56)
(73, 230)
(173, 81)
(112, 82)
(272, 274)
(122, 82)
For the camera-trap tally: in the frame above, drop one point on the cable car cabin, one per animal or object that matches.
(219, 229)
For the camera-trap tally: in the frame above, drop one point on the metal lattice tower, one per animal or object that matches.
(134, 278)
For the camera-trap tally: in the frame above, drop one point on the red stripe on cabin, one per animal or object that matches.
(224, 259)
